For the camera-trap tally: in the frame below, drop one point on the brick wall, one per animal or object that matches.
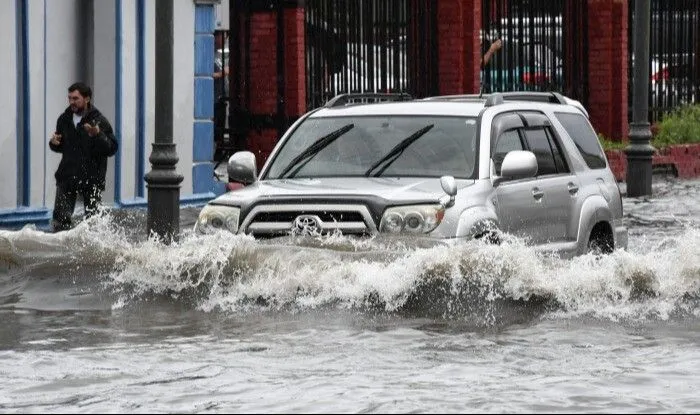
(295, 66)
(263, 62)
(683, 160)
(264, 76)
(607, 66)
(459, 23)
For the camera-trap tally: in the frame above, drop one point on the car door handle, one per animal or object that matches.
(537, 193)
(573, 189)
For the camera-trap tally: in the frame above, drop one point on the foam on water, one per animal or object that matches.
(238, 273)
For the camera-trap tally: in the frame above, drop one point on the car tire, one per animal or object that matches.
(600, 245)
(489, 233)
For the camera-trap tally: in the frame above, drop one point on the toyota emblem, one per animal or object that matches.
(307, 225)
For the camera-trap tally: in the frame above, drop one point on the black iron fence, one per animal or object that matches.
(351, 46)
(357, 46)
(544, 46)
(391, 46)
(674, 55)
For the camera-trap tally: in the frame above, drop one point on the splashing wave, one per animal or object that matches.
(462, 280)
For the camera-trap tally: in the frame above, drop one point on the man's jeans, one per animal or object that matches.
(64, 205)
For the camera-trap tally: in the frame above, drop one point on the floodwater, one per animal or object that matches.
(103, 319)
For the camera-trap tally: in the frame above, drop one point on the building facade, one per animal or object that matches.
(110, 44)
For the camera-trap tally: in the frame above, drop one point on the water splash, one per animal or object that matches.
(469, 280)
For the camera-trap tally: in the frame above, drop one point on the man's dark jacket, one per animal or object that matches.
(84, 160)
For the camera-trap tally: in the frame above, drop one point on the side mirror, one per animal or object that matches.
(519, 164)
(242, 168)
(449, 186)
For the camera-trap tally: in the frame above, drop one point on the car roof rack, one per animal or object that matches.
(497, 98)
(500, 97)
(461, 97)
(366, 98)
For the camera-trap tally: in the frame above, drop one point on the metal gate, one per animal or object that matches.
(351, 46)
(355, 46)
(544, 46)
(674, 55)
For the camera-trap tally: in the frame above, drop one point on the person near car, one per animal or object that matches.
(85, 140)
(493, 48)
(220, 76)
(486, 56)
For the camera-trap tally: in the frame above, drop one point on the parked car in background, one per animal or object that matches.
(445, 169)
(673, 81)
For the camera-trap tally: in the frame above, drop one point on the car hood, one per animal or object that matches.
(394, 189)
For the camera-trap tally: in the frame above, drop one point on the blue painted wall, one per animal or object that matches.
(203, 180)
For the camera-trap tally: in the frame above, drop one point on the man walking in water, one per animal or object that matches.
(85, 139)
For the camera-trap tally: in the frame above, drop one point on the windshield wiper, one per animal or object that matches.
(314, 149)
(395, 152)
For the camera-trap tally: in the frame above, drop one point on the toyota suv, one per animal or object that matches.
(446, 168)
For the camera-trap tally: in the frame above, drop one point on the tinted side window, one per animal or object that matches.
(538, 142)
(508, 141)
(585, 138)
(559, 159)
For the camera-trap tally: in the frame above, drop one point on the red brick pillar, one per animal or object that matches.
(264, 92)
(263, 86)
(608, 67)
(295, 64)
(459, 24)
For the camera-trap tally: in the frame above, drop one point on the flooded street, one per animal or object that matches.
(103, 319)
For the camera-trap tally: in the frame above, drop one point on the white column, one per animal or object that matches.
(53, 65)
(183, 90)
(129, 104)
(8, 106)
(149, 80)
(104, 75)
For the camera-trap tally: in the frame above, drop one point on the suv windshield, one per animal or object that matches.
(447, 147)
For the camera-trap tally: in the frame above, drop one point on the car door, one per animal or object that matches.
(559, 186)
(518, 203)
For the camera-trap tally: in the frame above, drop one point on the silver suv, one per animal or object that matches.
(527, 164)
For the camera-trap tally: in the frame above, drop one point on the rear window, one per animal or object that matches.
(584, 137)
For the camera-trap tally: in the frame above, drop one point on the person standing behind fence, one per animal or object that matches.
(85, 140)
(487, 54)
(493, 48)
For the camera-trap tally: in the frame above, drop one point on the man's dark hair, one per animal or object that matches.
(82, 88)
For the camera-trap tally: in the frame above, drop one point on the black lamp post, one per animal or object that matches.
(639, 151)
(163, 182)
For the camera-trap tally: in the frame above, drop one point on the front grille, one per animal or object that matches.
(280, 220)
(325, 216)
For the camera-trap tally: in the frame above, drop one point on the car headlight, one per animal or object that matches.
(215, 217)
(412, 219)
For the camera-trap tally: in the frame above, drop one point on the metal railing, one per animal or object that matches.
(369, 47)
(674, 55)
(544, 46)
